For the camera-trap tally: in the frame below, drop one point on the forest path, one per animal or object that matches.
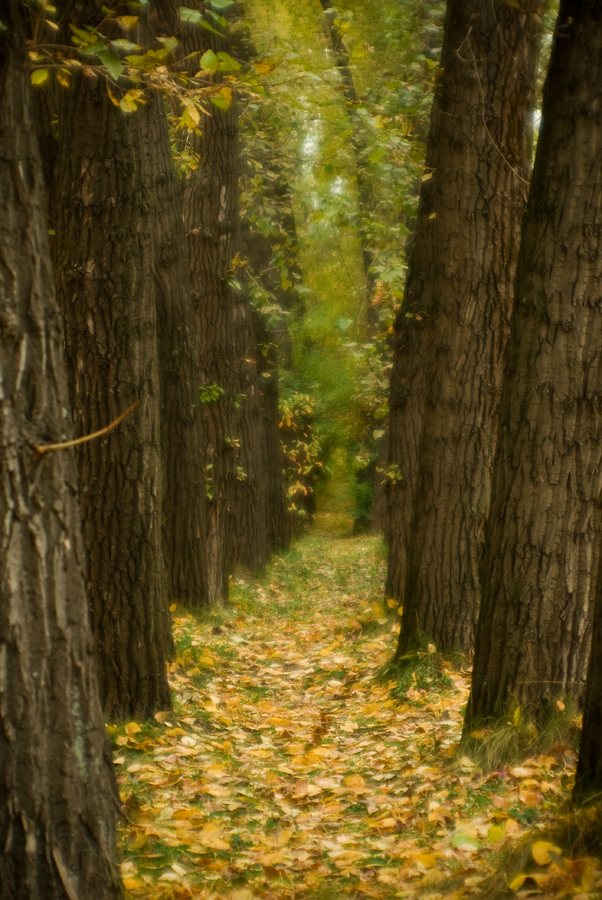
(293, 766)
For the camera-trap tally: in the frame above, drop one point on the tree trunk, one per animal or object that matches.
(541, 551)
(184, 501)
(59, 796)
(106, 235)
(588, 780)
(225, 333)
(365, 197)
(453, 327)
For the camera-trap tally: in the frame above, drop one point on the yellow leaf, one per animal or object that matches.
(39, 76)
(431, 648)
(495, 834)
(284, 837)
(541, 852)
(560, 705)
(426, 860)
(178, 869)
(517, 883)
(391, 603)
(301, 788)
(356, 783)
(467, 763)
(516, 717)
(210, 836)
(349, 726)
(127, 21)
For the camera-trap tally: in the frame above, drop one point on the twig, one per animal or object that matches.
(88, 437)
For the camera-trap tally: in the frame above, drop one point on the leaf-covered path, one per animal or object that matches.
(295, 766)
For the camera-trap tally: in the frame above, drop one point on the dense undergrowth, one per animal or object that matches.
(298, 763)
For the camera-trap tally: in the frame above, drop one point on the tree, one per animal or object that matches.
(542, 542)
(588, 779)
(365, 199)
(232, 404)
(59, 796)
(452, 329)
(106, 263)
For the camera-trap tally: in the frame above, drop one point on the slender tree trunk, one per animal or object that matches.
(542, 544)
(225, 334)
(59, 796)
(453, 327)
(184, 501)
(106, 235)
(366, 201)
(279, 522)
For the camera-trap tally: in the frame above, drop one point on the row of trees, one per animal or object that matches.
(151, 317)
(495, 419)
(151, 284)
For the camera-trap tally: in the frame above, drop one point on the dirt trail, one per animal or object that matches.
(293, 766)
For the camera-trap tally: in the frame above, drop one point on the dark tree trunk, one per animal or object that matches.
(453, 327)
(106, 263)
(236, 525)
(279, 522)
(184, 501)
(588, 780)
(541, 551)
(211, 222)
(59, 798)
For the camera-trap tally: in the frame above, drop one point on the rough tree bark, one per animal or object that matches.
(184, 503)
(59, 797)
(452, 330)
(236, 520)
(106, 264)
(541, 550)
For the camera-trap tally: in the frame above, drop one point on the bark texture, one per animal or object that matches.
(541, 551)
(452, 330)
(588, 779)
(106, 268)
(233, 443)
(59, 796)
(184, 523)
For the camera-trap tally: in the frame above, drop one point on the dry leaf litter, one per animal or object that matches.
(293, 767)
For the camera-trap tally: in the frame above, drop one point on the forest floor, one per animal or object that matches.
(297, 764)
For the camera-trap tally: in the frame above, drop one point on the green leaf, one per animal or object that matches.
(150, 60)
(221, 4)
(227, 63)
(112, 63)
(39, 76)
(464, 840)
(209, 61)
(96, 47)
(123, 44)
(190, 15)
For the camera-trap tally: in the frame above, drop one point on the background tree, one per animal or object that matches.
(542, 542)
(59, 796)
(106, 266)
(452, 329)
